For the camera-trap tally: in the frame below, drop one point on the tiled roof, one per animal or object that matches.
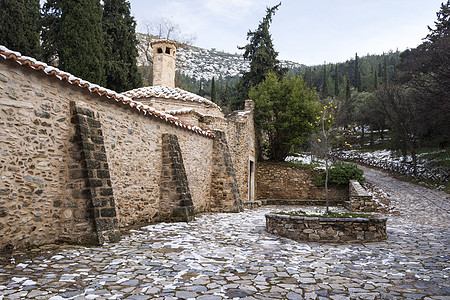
(34, 64)
(160, 91)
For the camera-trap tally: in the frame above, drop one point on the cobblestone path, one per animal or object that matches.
(225, 256)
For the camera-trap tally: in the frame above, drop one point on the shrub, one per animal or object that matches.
(341, 173)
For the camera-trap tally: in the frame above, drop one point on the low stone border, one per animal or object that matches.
(327, 229)
(359, 198)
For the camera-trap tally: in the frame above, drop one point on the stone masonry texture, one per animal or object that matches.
(283, 184)
(69, 171)
(176, 202)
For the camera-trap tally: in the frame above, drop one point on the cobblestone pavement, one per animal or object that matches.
(224, 256)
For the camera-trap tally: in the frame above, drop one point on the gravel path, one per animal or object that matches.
(229, 256)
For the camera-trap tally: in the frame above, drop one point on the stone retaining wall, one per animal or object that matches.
(359, 198)
(284, 183)
(321, 229)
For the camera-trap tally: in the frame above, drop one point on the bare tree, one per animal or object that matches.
(162, 28)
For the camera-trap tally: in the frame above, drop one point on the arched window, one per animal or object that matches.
(159, 50)
(167, 50)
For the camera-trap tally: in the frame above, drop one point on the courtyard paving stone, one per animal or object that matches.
(230, 255)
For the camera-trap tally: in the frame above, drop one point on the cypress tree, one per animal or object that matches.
(226, 98)
(261, 54)
(120, 46)
(20, 26)
(213, 91)
(336, 81)
(358, 83)
(375, 80)
(80, 40)
(325, 82)
(347, 90)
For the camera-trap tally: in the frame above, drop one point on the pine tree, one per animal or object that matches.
(261, 54)
(120, 46)
(19, 26)
(213, 91)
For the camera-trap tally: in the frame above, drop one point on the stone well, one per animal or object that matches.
(327, 229)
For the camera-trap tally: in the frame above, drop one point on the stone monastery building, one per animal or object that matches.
(79, 162)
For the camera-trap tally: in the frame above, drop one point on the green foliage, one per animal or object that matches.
(73, 38)
(341, 173)
(19, 26)
(284, 110)
(213, 91)
(120, 46)
(261, 54)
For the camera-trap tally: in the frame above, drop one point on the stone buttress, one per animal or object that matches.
(175, 198)
(95, 171)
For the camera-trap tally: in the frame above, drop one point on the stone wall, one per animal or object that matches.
(240, 138)
(39, 203)
(57, 185)
(281, 183)
(359, 198)
(321, 229)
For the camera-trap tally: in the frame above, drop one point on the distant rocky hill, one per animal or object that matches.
(202, 63)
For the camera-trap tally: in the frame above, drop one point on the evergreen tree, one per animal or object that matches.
(20, 26)
(261, 54)
(120, 46)
(226, 98)
(385, 70)
(375, 80)
(284, 112)
(51, 24)
(213, 91)
(358, 83)
(325, 82)
(336, 81)
(73, 37)
(348, 94)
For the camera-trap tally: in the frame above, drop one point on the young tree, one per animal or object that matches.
(284, 110)
(120, 46)
(261, 54)
(19, 26)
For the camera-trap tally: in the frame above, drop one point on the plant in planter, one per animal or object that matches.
(327, 134)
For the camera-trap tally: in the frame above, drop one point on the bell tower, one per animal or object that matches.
(164, 62)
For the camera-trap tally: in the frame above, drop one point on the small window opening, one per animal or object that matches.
(167, 50)
(160, 50)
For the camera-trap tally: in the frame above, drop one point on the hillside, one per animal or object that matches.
(199, 63)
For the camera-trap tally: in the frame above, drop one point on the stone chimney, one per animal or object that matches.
(164, 62)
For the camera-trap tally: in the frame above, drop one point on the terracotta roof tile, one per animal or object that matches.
(34, 64)
(160, 91)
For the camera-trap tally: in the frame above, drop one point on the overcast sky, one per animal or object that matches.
(305, 31)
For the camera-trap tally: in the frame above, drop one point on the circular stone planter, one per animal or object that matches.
(327, 229)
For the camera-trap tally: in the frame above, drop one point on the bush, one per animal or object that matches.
(341, 173)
